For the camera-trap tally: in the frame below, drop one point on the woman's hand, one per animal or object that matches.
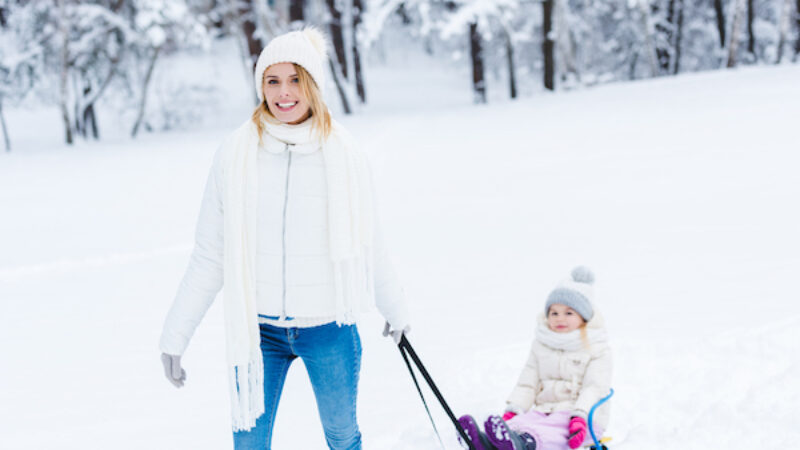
(396, 334)
(172, 368)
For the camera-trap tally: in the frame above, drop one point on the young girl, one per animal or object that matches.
(567, 372)
(287, 227)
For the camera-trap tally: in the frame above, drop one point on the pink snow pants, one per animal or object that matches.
(549, 430)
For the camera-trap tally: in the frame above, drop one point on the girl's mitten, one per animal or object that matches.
(577, 432)
(508, 415)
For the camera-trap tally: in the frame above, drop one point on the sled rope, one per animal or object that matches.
(407, 350)
(416, 383)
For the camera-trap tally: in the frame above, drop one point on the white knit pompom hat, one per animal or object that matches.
(577, 292)
(306, 47)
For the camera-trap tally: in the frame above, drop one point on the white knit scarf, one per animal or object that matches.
(571, 341)
(350, 229)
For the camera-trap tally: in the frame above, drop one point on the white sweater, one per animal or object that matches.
(294, 270)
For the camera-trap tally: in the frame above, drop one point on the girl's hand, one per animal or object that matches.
(577, 432)
(509, 415)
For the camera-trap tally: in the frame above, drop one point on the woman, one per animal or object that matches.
(287, 228)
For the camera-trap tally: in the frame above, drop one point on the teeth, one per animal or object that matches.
(287, 105)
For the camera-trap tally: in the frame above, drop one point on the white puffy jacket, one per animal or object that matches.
(555, 379)
(294, 271)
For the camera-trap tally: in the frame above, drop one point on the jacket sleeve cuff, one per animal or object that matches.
(579, 413)
(514, 409)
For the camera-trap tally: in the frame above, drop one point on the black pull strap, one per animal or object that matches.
(407, 350)
(416, 383)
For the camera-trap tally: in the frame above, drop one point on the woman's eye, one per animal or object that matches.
(295, 80)
(272, 81)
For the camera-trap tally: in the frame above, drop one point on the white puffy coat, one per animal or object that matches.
(294, 270)
(557, 379)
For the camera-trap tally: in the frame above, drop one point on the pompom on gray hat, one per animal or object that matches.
(306, 47)
(576, 292)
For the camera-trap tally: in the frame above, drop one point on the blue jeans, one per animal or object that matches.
(332, 356)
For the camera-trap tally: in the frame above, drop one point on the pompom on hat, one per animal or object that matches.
(576, 292)
(306, 47)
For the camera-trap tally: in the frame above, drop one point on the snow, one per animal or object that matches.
(677, 192)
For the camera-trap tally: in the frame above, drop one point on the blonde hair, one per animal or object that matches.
(584, 335)
(320, 116)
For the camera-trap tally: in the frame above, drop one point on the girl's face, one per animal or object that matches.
(563, 319)
(285, 99)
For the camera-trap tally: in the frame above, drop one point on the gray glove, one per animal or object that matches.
(172, 368)
(396, 334)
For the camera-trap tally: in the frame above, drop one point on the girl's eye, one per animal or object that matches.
(569, 313)
(272, 81)
(295, 80)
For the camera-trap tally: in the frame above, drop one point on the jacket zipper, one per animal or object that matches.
(285, 207)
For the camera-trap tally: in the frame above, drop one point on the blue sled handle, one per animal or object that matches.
(597, 444)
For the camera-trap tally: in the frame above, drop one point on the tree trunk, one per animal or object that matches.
(64, 75)
(86, 112)
(650, 47)
(337, 36)
(145, 86)
(358, 9)
(339, 87)
(733, 45)
(404, 17)
(783, 28)
(665, 45)
(797, 23)
(751, 37)
(678, 36)
(248, 22)
(90, 120)
(565, 41)
(512, 78)
(476, 52)
(720, 12)
(548, 46)
(6, 139)
(297, 11)
(632, 66)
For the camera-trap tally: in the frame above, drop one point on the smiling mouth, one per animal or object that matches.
(286, 106)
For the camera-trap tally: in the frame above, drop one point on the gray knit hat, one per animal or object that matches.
(577, 293)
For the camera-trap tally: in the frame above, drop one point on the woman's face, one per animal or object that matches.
(563, 319)
(283, 95)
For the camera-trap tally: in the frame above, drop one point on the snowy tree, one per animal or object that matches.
(487, 23)
(358, 12)
(161, 26)
(94, 39)
(797, 31)
(785, 21)
(338, 61)
(20, 60)
(548, 45)
(720, 16)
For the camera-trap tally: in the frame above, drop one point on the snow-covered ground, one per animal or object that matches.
(678, 192)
